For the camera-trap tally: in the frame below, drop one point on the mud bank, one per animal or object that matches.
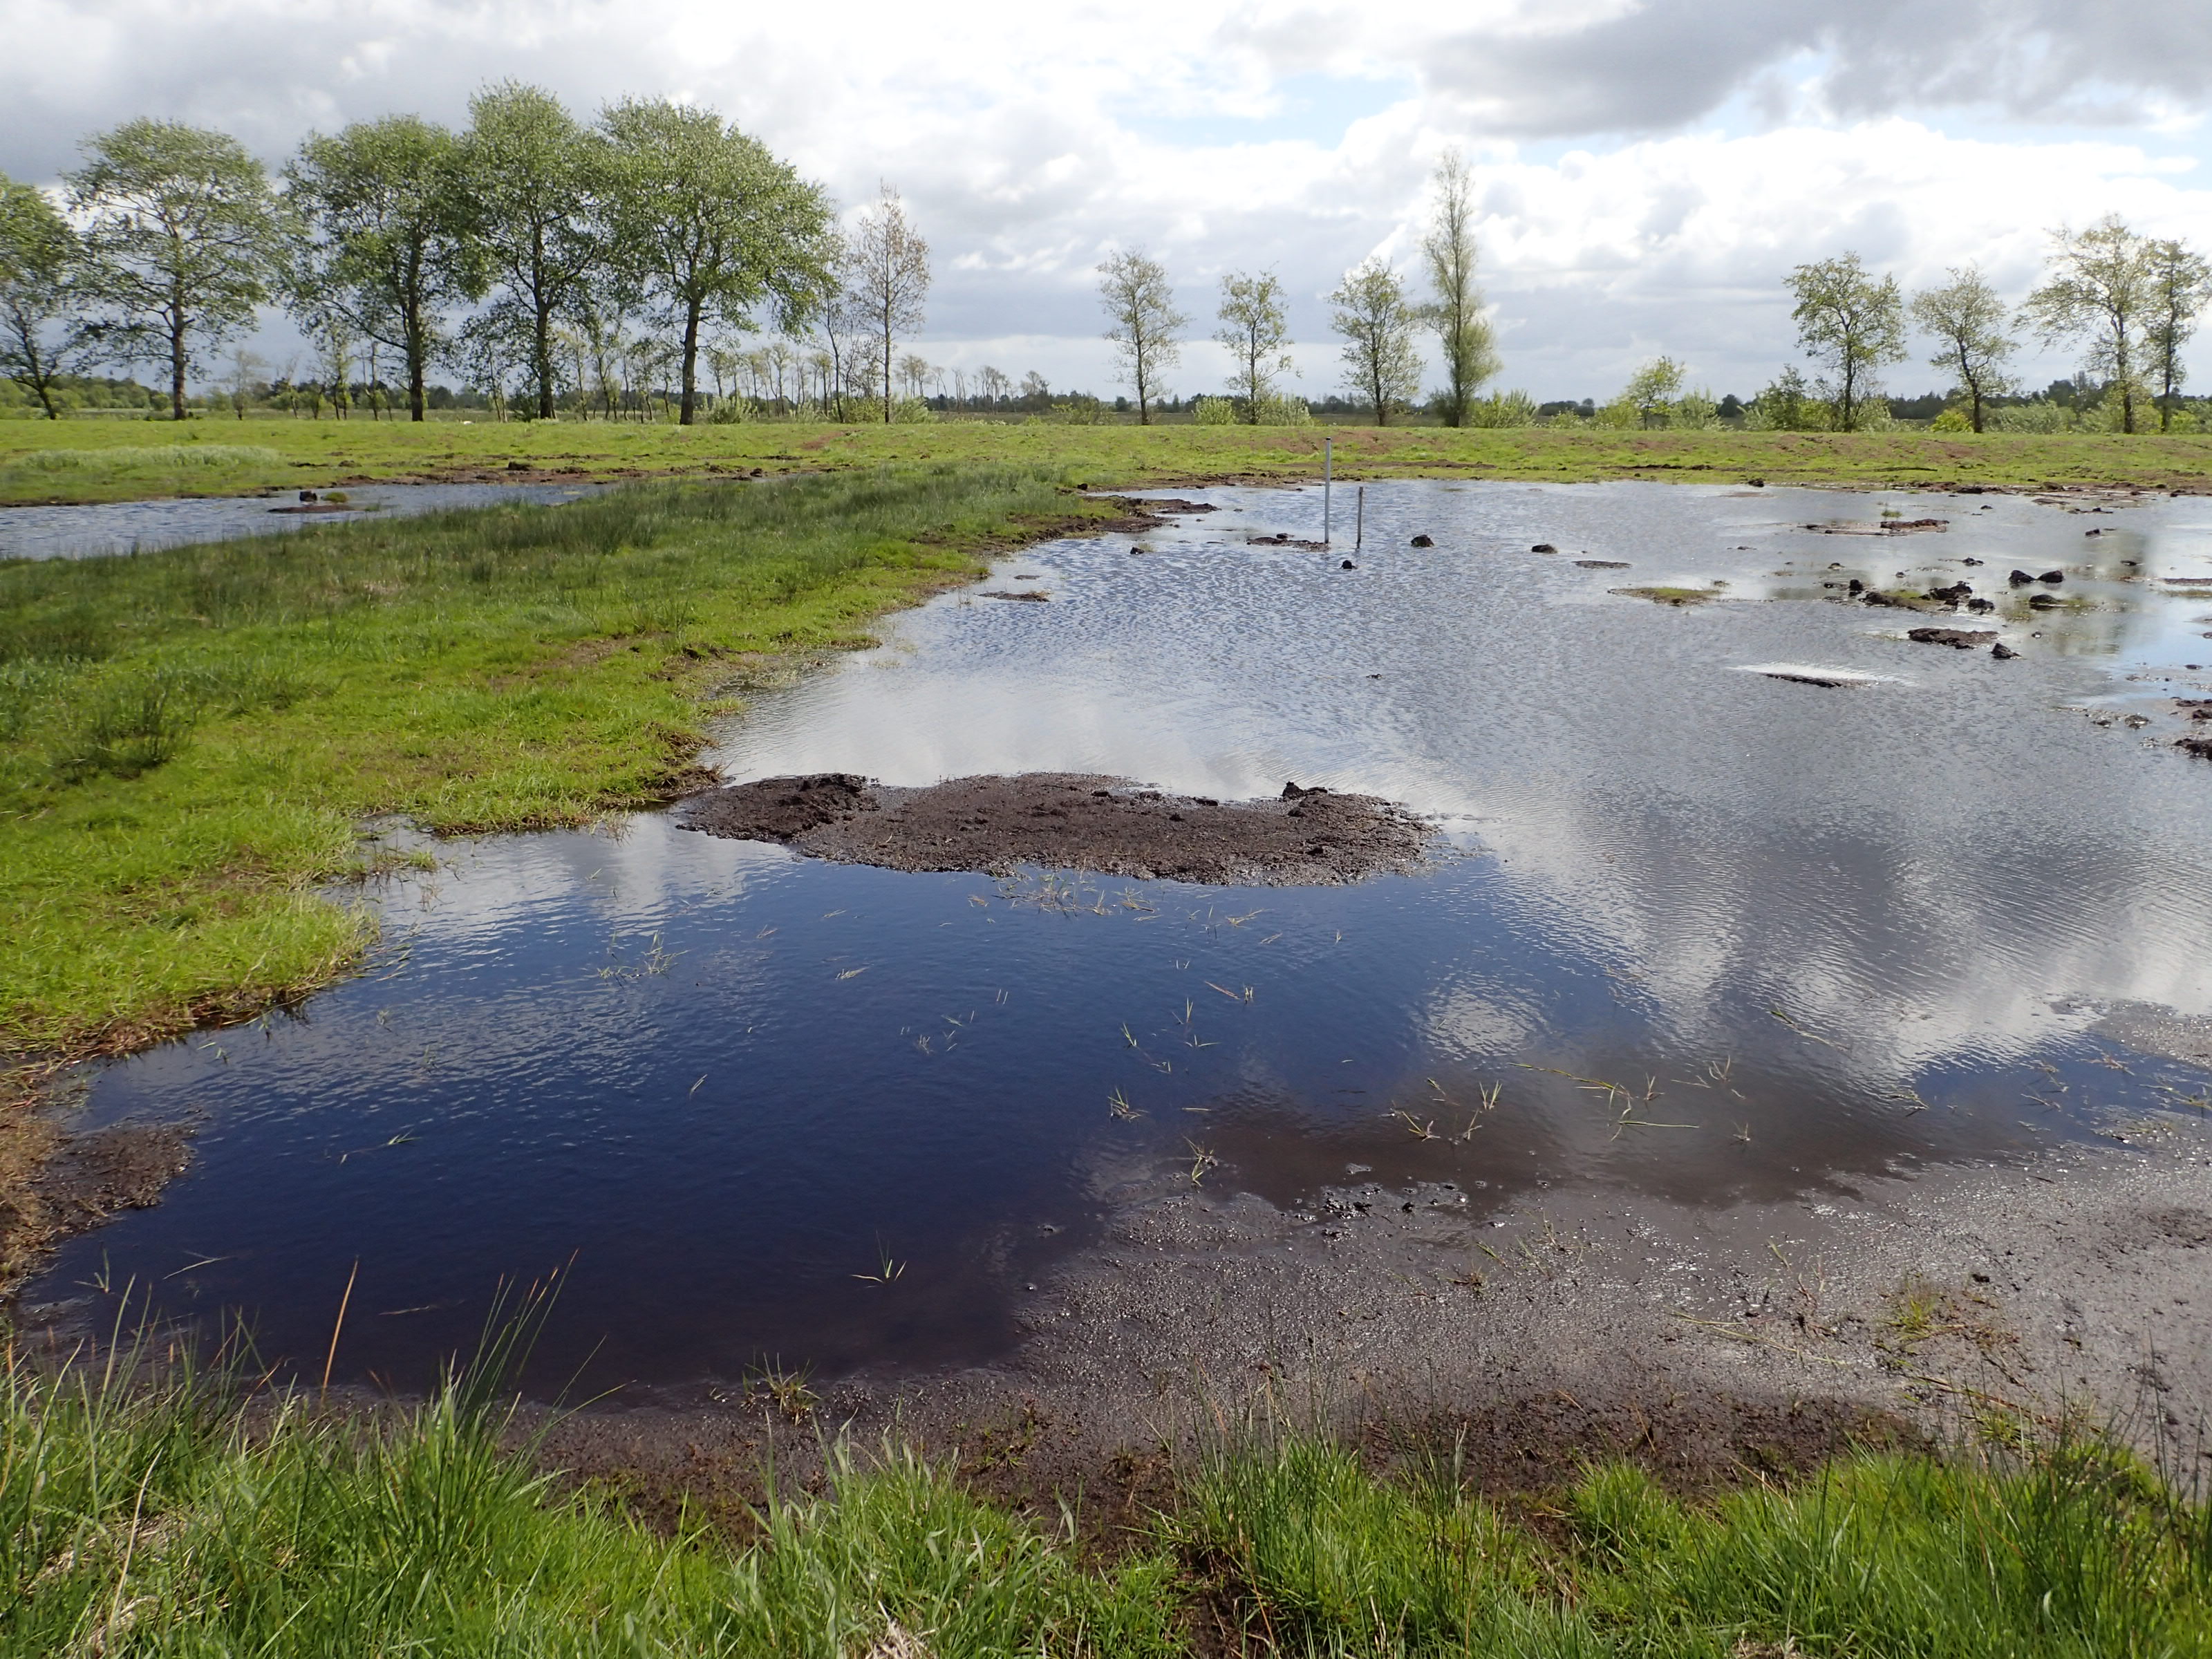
(1711, 1344)
(1064, 820)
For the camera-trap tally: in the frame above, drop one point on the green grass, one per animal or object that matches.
(189, 738)
(182, 1519)
(140, 459)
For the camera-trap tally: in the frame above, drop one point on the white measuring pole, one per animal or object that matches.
(1327, 467)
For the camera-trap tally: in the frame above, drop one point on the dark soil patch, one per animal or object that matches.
(1958, 639)
(1070, 821)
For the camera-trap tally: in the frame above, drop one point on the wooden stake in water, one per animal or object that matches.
(1328, 469)
(1359, 519)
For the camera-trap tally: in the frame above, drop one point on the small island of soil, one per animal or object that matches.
(1070, 821)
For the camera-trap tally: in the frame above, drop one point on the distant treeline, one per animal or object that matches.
(556, 264)
(619, 268)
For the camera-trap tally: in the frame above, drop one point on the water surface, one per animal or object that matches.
(87, 530)
(1692, 931)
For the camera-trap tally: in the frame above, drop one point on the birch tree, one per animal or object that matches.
(1255, 328)
(2100, 294)
(1380, 362)
(1966, 320)
(1139, 303)
(887, 280)
(1851, 323)
(2180, 287)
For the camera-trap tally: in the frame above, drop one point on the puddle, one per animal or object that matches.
(85, 531)
(1710, 934)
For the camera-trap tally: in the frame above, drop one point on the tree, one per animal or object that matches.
(1457, 313)
(887, 278)
(1650, 391)
(388, 245)
(40, 338)
(1140, 304)
(1254, 328)
(533, 181)
(1849, 323)
(2180, 287)
(1380, 362)
(2100, 288)
(181, 242)
(1967, 320)
(711, 224)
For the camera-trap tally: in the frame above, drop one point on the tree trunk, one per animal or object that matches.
(177, 372)
(684, 415)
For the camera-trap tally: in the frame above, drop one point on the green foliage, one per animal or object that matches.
(709, 223)
(1143, 324)
(2099, 293)
(1967, 319)
(1255, 330)
(1381, 364)
(1213, 412)
(40, 261)
(182, 242)
(387, 247)
(1501, 410)
(1852, 324)
(533, 182)
(1789, 405)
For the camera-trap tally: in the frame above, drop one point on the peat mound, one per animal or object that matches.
(1066, 820)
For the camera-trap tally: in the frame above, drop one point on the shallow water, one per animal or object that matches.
(1695, 932)
(88, 531)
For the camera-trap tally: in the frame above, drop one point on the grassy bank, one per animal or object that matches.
(91, 460)
(173, 1521)
(191, 739)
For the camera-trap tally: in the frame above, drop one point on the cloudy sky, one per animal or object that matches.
(1648, 170)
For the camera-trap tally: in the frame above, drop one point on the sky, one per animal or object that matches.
(1647, 171)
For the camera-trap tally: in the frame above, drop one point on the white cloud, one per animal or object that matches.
(1030, 139)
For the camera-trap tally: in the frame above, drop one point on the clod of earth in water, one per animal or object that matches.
(1348, 565)
(2020, 578)
(1069, 821)
(1543, 547)
(2200, 747)
(2003, 651)
(1424, 541)
(1958, 639)
(2052, 576)
(1602, 564)
(1000, 594)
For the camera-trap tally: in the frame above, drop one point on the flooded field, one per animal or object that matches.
(1741, 892)
(85, 531)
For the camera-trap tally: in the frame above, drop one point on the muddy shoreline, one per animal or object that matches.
(1066, 820)
(1714, 1344)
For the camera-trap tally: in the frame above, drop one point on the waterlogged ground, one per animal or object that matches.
(1693, 932)
(84, 532)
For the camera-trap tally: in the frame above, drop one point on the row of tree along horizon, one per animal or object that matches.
(2063, 405)
(609, 264)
